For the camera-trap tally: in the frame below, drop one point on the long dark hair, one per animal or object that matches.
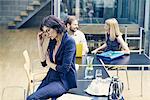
(53, 22)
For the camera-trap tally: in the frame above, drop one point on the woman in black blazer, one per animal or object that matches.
(60, 58)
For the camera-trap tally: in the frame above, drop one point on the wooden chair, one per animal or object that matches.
(34, 78)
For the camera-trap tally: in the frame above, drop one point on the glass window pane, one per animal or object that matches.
(96, 11)
(67, 7)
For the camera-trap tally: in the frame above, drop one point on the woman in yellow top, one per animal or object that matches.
(114, 40)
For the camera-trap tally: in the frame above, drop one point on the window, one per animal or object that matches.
(96, 11)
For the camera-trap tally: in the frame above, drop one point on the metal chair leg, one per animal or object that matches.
(142, 81)
(117, 71)
(126, 76)
(127, 79)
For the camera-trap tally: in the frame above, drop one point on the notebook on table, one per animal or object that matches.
(110, 55)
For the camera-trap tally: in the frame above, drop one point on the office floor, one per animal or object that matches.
(12, 44)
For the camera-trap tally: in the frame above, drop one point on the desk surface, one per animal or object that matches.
(82, 83)
(131, 60)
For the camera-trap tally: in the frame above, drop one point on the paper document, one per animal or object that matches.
(69, 96)
(99, 87)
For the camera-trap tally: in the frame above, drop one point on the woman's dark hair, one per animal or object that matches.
(53, 22)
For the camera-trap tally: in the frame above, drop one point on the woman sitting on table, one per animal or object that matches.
(59, 57)
(114, 40)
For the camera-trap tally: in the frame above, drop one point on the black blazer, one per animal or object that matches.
(65, 61)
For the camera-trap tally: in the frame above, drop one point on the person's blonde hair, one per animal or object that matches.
(114, 30)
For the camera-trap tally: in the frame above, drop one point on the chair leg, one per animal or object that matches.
(127, 79)
(126, 76)
(117, 72)
(142, 81)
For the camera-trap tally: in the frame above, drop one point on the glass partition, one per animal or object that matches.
(96, 11)
(67, 7)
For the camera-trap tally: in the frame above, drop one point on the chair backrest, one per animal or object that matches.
(136, 36)
(27, 67)
(79, 48)
(27, 62)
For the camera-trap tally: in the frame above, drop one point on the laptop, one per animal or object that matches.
(110, 55)
(79, 48)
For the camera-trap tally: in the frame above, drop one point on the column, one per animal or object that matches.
(77, 9)
(147, 13)
(119, 9)
(141, 13)
(57, 8)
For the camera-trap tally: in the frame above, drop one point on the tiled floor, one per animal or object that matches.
(12, 44)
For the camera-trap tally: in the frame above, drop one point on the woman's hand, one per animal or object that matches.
(100, 49)
(40, 38)
(126, 52)
(94, 51)
(49, 63)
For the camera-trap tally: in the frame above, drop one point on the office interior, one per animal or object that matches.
(20, 21)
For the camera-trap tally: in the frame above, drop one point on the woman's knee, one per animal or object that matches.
(29, 98)
(32, 97)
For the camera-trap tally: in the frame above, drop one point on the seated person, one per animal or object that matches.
(60, 58)
(114, 40)
(73, 29)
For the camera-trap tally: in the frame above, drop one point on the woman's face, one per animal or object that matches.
(49, 32)
(106, 27)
